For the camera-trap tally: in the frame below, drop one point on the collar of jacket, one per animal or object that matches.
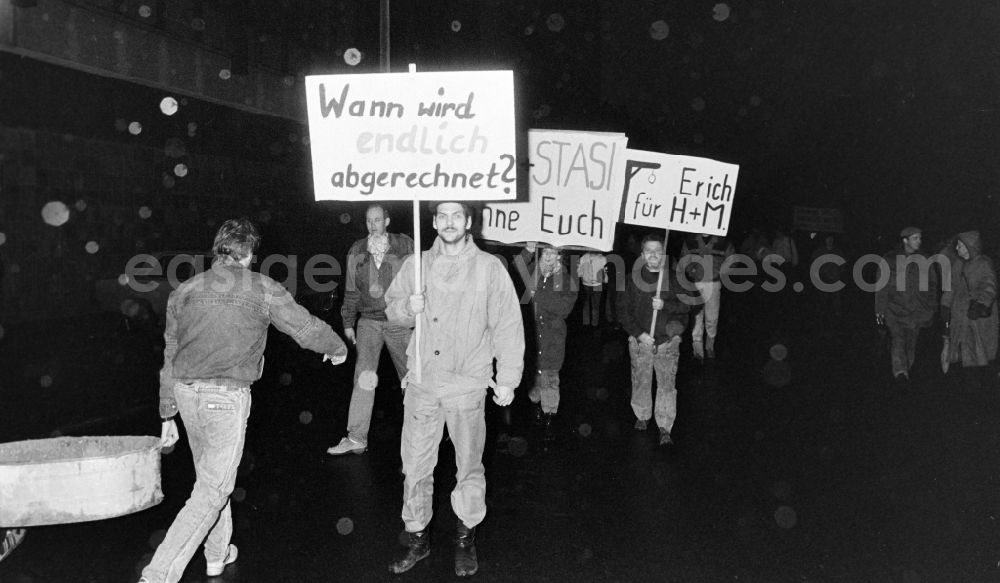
(470, 249)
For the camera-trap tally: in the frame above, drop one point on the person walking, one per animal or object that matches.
(593, 275)
(552, 299)
(703, 258)
(216, 330)
(469, 317)
(969, 308)
(659, 351)
(372, 263)
(907, 301)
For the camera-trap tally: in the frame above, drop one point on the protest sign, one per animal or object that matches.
(682, 193)
(404, 136)
(574, 192)
(817, 219)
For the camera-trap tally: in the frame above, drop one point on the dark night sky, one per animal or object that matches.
(885, 108)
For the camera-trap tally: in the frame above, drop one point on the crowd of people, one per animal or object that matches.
(457, 332)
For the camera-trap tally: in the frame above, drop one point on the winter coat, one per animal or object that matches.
(973, 342)
(904, 301)
(552, 299)
(471, 317)
(635, 305)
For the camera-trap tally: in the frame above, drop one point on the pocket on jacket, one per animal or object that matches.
(220, 406)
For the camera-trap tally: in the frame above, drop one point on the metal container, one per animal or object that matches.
(77, 479)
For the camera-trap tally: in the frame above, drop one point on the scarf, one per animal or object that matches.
(378, 245)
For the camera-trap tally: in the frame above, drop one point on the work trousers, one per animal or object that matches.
(425, 413)
(546, 391)
(664, 364)
(706, 321)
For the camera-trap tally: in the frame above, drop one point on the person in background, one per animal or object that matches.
(372, 263)
(216, 330)
(903, 304)
(703, 258)
(830, 272)
(969, 308)
(660, 350)
(469, 317)
(552, 299)
(593, 275)
(784, 246)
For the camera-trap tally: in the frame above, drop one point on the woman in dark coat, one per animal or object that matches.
(552, 299)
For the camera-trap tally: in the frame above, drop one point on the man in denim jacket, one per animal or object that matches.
(215, 335)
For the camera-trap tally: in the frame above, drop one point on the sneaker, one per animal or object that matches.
(216, 569)
(665, 438)
(698, 350)
(347, 445)
(11, 539)
(640, 424)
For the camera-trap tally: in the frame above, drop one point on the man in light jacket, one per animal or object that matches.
(469, 316)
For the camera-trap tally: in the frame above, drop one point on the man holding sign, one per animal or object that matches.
(659, 351)
(469, 316)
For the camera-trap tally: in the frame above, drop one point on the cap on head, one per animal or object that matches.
(910, 231)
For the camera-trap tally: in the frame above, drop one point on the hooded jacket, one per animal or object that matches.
(973, 342)
(471, 317)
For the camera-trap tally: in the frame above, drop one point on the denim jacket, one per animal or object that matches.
(217, 325)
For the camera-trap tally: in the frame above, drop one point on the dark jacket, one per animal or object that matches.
(902, 299)
(635, 305)
(361, 297)
(217, 325)
(705, 251)
(552, 299)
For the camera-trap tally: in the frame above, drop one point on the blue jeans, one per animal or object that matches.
(215, 419)
(371, 335)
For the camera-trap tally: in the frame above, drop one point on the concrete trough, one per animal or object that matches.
(77, 479)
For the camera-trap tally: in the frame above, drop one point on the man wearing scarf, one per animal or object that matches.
(372, 262)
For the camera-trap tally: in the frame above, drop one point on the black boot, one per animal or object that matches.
(418, 546)
(466, 561)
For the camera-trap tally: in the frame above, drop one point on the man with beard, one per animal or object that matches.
(657, 352)
(469, 317)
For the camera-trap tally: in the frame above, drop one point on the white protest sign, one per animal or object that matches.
(681, 193)
(575, 186)
(403, 136)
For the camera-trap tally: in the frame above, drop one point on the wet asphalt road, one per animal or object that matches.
(814, 468)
